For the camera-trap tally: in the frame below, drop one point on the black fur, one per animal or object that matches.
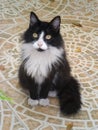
(69, 96)
(67, 87)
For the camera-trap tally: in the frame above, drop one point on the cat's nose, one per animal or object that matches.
(40, 44)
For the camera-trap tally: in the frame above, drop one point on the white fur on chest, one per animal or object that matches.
(39, 64)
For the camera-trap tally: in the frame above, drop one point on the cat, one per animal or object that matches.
(45, 69)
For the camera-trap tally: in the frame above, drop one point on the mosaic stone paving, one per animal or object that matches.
(79, 29)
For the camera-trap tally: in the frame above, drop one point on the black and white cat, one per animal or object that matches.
(45, 68)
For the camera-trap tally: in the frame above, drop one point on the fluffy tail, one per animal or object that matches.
(69, 97)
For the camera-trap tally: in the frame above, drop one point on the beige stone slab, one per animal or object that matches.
(47, 110)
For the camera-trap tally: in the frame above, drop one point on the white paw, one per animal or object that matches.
(44, 102)
(32, 102)
(52, 94)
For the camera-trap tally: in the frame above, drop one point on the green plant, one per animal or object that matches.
(4, 97)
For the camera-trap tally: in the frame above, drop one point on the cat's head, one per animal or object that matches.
(42, 34)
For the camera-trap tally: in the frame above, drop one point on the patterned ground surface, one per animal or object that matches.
(80, 31)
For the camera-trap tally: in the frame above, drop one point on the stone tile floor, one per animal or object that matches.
(79, 29)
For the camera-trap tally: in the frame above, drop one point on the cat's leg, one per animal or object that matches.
(33, 100)
(52, 92)
(69, 96)
(27, 82)
(44, 101)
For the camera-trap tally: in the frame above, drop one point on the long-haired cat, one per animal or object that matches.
(45, 68)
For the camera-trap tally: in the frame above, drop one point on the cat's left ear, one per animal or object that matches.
(56, 23)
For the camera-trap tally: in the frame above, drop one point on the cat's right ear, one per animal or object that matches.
(33, 18)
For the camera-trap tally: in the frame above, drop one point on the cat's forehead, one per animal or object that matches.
(44, 26)
(41, 26)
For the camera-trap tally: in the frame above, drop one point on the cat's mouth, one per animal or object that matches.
(39, 49)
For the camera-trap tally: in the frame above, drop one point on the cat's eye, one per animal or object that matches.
(35, 35)
(48, 37)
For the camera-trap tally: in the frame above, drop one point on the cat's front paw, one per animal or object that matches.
(32, 102)
(44, 102)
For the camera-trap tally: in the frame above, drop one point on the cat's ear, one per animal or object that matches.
(33, 18)
(56, 23)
